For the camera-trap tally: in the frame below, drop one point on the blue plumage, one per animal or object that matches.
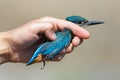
(50, 49)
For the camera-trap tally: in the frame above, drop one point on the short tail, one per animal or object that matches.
(33, 58)
(40, 50)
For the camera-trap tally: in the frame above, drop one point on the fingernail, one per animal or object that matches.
(53, 36)
(60, 57)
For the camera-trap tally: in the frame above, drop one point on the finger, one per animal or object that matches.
(70, 48)
(58, 57)
(77, 30)
(50, 34)
(67, 50)
(63, 51)
(76, 41)
(46, 28)
(61, 24)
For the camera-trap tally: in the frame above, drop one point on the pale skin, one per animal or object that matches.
(19, 44)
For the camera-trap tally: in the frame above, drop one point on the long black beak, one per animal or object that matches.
(90, 23)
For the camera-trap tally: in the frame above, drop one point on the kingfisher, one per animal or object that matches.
(50, 49)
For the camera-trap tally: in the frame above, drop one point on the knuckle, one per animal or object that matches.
(50, 25)
(46, 18)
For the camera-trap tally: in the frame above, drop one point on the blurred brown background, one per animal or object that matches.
(98, 58)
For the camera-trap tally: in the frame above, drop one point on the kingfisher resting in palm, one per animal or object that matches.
(52, 48)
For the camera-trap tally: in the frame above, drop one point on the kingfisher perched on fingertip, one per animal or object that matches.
(51, 48)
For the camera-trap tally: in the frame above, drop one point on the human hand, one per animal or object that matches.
(24, 40)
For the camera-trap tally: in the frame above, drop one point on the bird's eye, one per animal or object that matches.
(80, 22)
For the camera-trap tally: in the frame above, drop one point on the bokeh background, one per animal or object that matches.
(98, 58)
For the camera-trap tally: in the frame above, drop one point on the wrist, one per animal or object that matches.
(4, 48)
